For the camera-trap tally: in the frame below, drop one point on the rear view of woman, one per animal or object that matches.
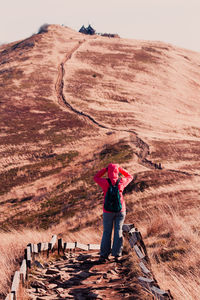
(112, 215)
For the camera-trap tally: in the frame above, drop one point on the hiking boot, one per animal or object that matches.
(117, 258)
(102, 259)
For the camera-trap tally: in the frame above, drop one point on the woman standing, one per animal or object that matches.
(111, 218)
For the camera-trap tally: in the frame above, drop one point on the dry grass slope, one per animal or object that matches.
(49, 152)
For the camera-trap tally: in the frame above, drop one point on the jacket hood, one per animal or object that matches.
(113, 172)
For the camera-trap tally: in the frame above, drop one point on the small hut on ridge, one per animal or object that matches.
(89, 30)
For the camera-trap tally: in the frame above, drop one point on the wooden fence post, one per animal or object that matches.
(39, 248)
(9, 297)
(51, 244)
(15, 284)
(138, 252)
(60, 245)
(23, 272)
(137, 243)
(160, 294)
(144, 269)
(28, 256)
(64, 248)
(44, 247)
(127, 227)
(32, 251)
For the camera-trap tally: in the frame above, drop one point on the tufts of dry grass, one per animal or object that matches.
(12, 248)
(131, 271)
(184, 286)
(156, 225)
(173, 244)
(14, 242)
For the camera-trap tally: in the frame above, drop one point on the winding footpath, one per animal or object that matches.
(143, 147)
(59, 87)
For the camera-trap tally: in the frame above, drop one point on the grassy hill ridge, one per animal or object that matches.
(145, 95)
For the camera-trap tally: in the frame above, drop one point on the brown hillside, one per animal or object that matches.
(72, 103)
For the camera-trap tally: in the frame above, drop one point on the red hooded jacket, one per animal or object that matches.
(113, 174)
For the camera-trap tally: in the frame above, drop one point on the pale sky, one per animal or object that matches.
(172, 21)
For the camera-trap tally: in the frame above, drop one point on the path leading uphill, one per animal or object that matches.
(79, 276)
(143, 147)
(59, 87)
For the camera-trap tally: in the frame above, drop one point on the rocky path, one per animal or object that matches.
(78, 276)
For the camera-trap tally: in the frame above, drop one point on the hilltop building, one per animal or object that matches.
(89, 30)
(83, 30)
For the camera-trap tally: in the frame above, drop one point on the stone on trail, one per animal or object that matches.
(79, 277)
(52, 271)
(51, 297)
(83, 275)
(112, 272)
(38, 284)
(59, 290)
(54, 278)
(52, 286)
(38, 264)
(66, 296)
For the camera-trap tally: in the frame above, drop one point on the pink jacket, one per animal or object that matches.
(113, 174)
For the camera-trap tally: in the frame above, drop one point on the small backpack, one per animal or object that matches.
(112, 199)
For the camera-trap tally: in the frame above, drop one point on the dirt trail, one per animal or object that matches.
(143, 147)
(59, 87)
(79, 276)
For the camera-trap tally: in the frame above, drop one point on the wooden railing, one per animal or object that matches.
(32, 251)
(21, 276)
(134, 237)
(147, 281)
